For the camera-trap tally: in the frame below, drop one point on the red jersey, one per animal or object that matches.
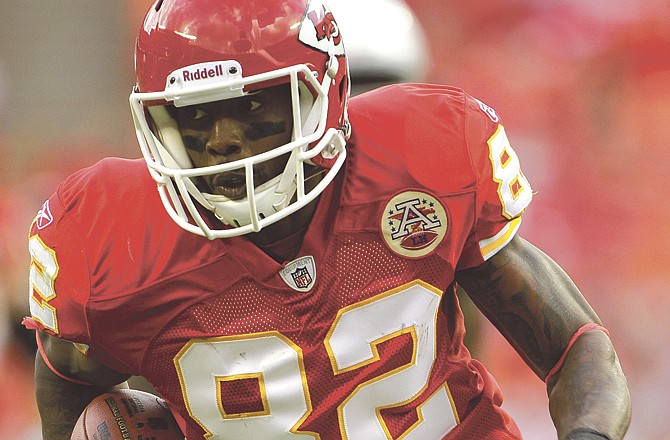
(359, 337)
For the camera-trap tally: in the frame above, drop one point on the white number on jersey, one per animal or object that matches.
(351, 343)
(43, 273)
(513, 189)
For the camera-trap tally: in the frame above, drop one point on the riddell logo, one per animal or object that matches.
(203, 73)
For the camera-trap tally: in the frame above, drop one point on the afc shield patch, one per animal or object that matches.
(413, 224)
(300, 274)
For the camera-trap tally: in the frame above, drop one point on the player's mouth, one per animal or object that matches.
(232, 184)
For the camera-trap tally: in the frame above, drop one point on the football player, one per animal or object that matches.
(282, 261)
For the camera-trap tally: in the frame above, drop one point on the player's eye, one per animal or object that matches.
(255, 105)
(194, 113)
(250, 105)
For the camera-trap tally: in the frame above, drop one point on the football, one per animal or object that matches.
(126, 415)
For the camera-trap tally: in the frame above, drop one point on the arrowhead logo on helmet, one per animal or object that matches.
(320, 31)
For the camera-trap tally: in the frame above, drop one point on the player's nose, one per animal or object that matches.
(226, 139)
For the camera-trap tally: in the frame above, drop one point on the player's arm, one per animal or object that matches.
(538, 309)
(61, 401)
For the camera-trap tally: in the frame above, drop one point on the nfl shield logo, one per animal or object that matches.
(300, 274)
(301, 277)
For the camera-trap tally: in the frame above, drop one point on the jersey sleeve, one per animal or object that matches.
(503, 192)
(59, 287)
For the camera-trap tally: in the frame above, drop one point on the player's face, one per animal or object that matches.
(233, 129)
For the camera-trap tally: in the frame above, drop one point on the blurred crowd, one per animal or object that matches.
(584, 91)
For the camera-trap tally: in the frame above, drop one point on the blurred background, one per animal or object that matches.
(583, 89)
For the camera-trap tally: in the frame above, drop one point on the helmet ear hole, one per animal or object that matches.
(159, 3)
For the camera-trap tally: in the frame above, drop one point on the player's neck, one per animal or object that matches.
(282, 240)
(285, 249)
(285, 227)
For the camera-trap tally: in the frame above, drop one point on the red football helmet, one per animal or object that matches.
(196, 51)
